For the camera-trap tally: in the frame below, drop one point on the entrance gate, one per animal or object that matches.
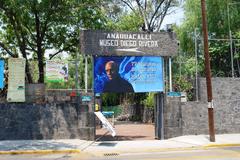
(130, 62)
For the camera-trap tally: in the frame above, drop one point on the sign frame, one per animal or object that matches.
(106, 43)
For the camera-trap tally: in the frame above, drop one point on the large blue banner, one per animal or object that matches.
(1, 74)
(128, 74)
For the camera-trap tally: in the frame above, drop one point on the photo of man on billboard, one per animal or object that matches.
(115, 82)
(128, 74)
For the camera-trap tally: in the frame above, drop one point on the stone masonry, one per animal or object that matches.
(191, 118)
(51, 114)
(49, 121)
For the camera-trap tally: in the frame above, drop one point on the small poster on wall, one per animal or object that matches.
(128, 74)
(56, 71)
(1, 74)
(16, 80)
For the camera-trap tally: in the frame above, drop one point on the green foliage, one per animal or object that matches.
(61, 85)
(218, 28)
(185, 69)
(186, 65)
(126, 22)
(186, 31)
(33, 27)
(149, 101)
(216, 15)
(110, 99)
(182, 84)
(135, 118)
(220, 59)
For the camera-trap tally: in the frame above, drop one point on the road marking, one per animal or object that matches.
(218, 154)
(41, 151)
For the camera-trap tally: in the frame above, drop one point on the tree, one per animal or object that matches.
(32, 27)
(126, 22)
(218, 27)
(152, 11)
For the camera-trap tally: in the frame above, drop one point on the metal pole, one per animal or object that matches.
(208, 74)
(86, 74)
(76, 79)
(76, 74)
(170, 74)
(165, 75)
(196, 61)
(230, 40)
(161, 105)
(231, 49)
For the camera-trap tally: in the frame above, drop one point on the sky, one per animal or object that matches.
(175, 17)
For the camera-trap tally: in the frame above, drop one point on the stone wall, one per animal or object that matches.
(66, 95)
(172, 117)
(49, 121)
(226, 98)
(49, 114)
(191, 118)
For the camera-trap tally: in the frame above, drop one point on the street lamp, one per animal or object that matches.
(230, 35)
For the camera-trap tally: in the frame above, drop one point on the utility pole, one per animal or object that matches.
(208, 73)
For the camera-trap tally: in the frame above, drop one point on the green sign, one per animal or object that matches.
(86, 98)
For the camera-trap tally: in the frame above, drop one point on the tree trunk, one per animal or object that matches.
(27, 70)
(28, 73)
(39, 49)
(41, 71)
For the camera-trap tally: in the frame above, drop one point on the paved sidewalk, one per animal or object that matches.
(77, 146)
(43, 146)
(182, 142)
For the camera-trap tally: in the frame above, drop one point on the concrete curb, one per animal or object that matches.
(222, 145)
(40, 151)
(148, 150)
(102, 153)
(119, 151)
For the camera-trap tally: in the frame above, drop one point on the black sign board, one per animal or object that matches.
(128, 43)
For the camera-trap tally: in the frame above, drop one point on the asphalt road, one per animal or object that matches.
(225, 153)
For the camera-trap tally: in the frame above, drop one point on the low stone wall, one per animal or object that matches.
(191, 118)
(49, 121)
(226, 117)
(48, 114)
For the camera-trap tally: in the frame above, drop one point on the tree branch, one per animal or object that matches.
(53, 55)
(29, 30)
(156, 11)
(129, 5)
(164, 14)
(45, 25)
(142, 12)
(7, 50)
(145, 6)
